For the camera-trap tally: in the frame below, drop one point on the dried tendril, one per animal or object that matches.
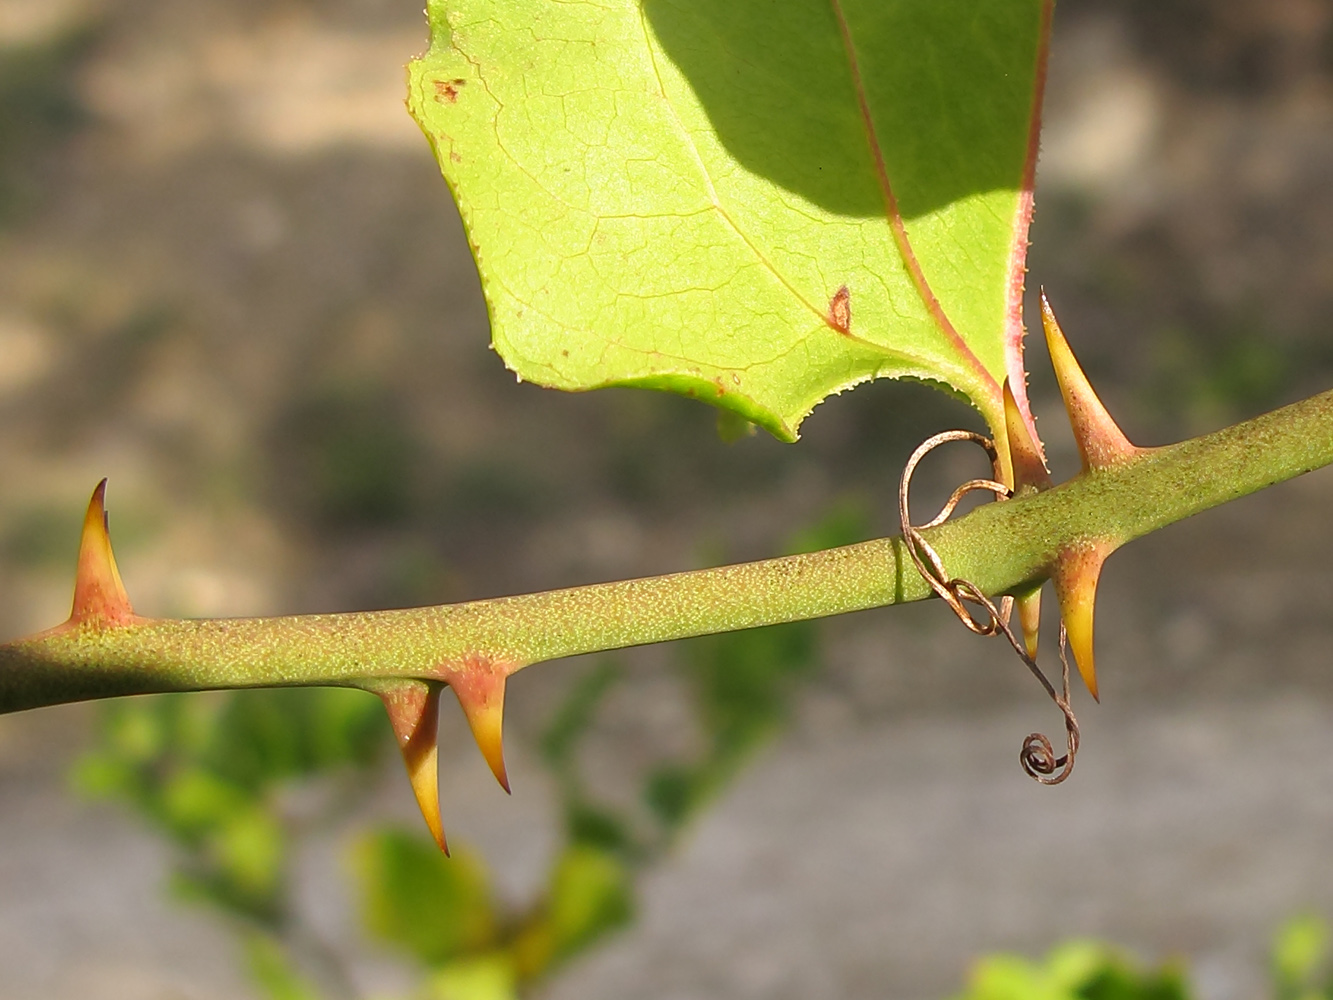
(1037, 756)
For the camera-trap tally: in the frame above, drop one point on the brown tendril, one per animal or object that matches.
(1037, 757)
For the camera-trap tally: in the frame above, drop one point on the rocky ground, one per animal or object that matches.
(231, 280)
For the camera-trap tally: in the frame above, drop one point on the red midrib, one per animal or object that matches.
(1018, 248)
(895, 218)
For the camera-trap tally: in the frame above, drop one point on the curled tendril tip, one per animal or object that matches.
(1037, 756)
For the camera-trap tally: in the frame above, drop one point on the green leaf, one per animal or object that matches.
(487, 977)
(438, 908)
(1076, 970)
(1300, 953)
(591, 894)
(272, 971)
(674, 193)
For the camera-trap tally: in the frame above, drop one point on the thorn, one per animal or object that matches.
(1077, 571)
(480, 688)
(1029, 616)
(1029, 469)
(1101, 442)
(414, 712)
(99, 593)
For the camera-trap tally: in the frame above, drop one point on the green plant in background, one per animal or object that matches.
(239, 782)
(757, 205)
(215, 776)
(1301, 968)
(1077, 970)
(1089, 970)
(655, 199)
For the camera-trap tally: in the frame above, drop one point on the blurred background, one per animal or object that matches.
(232, 280)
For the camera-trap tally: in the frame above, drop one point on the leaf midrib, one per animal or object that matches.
(894, 217)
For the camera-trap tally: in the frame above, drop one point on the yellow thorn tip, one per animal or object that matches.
(423, 771)
(1101, 442)
(98, 590)
(481, 692)
(1076, 574)
(414, 713)
(1029, 616)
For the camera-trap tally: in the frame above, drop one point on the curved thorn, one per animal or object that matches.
(1075, 577)
(480, 689)
(98, 591)
(1101, 442)
(414, 713)
(1029, 617)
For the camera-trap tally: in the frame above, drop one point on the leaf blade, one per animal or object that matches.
(674, 195)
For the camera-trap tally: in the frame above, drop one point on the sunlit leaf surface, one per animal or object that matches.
(755, 203)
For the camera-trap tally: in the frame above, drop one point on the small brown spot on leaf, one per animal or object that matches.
(455, 157)
(840, 310)
(447, 90)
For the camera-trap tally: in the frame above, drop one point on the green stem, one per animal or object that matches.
(1000, 547)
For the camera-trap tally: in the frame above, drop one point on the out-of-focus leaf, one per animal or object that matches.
(575, 714)
(249, 848)
(595, 826)
(591, 894)
(263, 736)
(435, 907)
(1077, 970)
(675, 791)
(744, 679)
(237, 863)
(486, 977)
(1300, 956)
(195, 801)
(845, 523)
(272, 973)
(754, 203)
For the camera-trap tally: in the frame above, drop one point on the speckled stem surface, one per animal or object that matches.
(1001, 547)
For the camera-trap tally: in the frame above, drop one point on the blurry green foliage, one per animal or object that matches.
(436, 908)
(1087, 970)
(1078, 970)
(590, 893)
(207, 773)
(1300, 960)
(1212, 381)
(743, 684)
(211, 774)
(272, 972)
(215, 775)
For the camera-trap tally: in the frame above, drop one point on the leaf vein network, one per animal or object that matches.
(688, 140)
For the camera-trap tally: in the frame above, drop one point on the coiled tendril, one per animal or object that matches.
(1037, 756)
